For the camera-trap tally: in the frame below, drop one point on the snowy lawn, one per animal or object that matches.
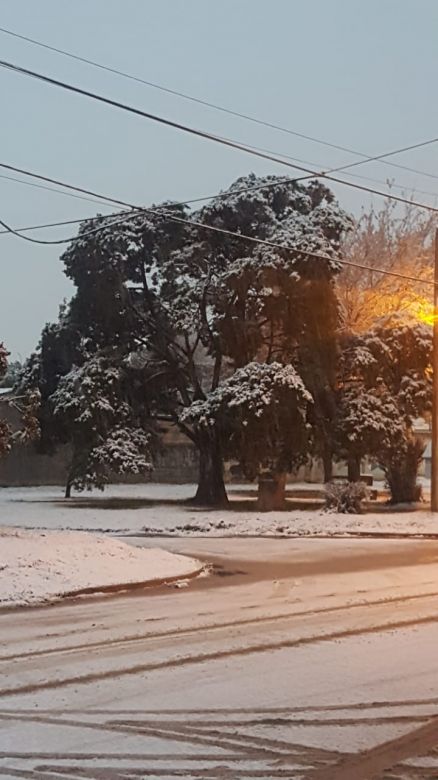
(38, 566)
(158, 510)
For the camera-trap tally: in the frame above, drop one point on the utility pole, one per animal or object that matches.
(434, 474)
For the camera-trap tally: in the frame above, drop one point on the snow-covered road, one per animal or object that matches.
(296, 659)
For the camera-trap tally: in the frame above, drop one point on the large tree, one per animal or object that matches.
(270, 302)
(192, 305)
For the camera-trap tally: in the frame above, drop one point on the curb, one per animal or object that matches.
(140, 585)
(102, 589)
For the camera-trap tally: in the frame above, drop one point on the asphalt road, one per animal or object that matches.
(293, 659)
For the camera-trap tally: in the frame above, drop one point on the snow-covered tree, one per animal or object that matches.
(5, 430)
(109, 435)
(3, 360)
(61, 347)
(262, 413)
(244, 302)
(385, 386)
(26, 404)
(11, 375)
(195, 305)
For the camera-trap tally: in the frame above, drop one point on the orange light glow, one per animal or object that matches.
(425, 312)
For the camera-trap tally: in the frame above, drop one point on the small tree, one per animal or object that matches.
(12, 374)
(368, 423)
(109, 434)
(26, 404)
(385, 386)
(262, 412)
(3, 360)
(61, 347)
(5, 430)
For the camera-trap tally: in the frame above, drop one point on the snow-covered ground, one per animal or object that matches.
(317, 661)
(38, 566)
(159, 510)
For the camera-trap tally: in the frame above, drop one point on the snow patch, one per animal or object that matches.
(46, 565)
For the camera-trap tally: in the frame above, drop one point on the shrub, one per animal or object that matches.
(346, 497)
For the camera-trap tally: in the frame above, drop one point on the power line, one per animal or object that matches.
(73, 187)
(203, 226)
(65, 222)
(268, 185)
(227, 141)
(378, 158)
(215, 106)
(344, 168)
(16, 233)
(52, 189)
(96, 198)
(62, 223)
(388, 183)
(215, 196)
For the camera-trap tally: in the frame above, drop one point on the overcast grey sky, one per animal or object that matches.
(360, 74)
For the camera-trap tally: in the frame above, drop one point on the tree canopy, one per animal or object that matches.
(191, 305)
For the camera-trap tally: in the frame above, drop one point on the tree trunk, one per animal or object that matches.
(327, 462)
(211, 487)
(68, 487)
(271, 492)
(353, 469)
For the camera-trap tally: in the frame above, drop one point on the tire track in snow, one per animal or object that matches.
(131, 639)
(179, 661)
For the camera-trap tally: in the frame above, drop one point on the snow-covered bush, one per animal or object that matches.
(346, 497)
